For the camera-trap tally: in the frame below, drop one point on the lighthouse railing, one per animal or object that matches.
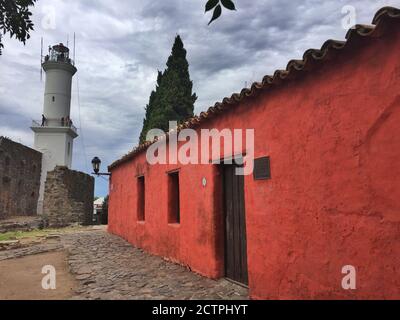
(54, 123)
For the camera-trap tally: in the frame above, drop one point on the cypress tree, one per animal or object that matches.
(173, 99)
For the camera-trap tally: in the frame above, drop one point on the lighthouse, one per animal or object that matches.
(55, 132)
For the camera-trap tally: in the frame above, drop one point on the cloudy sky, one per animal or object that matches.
(121, 45)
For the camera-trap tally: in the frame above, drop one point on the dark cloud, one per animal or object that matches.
(122, 44)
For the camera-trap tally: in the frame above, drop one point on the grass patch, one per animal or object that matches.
(18, 235)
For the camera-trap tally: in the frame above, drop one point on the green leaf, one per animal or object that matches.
(211, 4)
(216, 14)
(228, 4)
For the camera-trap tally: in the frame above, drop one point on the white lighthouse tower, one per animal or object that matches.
(55, 133)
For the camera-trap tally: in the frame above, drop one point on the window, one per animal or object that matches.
(174, 215)
(54, 99)
(141, 199)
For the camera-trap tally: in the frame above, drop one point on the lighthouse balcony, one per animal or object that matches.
(65, 124)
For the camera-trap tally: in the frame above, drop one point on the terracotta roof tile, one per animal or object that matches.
(294, 66)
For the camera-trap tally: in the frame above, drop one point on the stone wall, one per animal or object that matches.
(20, 169)
(68, 198)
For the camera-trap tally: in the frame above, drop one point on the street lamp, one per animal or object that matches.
(96, 163)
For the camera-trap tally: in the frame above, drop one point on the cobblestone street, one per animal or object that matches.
(97, 265)
(108, 267)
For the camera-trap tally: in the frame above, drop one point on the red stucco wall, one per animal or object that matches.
(333, 136)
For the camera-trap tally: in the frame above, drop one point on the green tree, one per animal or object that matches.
(15, 19)
(173, 99)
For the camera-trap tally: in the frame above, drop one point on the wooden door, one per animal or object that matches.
(235, 226)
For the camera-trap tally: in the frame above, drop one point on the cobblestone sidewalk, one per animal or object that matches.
(32, 249)
(108, 267)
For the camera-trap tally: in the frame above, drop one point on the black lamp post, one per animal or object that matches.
(96, 163)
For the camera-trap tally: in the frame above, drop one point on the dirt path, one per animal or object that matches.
(21, 278)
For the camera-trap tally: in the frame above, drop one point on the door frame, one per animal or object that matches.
(222, 166)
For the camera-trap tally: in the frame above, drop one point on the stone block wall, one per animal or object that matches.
(20, 169)
(68, 198)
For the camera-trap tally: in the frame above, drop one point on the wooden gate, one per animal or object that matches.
(235, 226)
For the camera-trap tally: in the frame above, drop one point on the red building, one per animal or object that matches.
(330, 127)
